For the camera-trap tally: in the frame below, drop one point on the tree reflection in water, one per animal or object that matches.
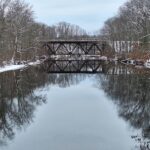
(129, 89)
(130, 92)
(18, 97)
(126, 88)
(18, 101)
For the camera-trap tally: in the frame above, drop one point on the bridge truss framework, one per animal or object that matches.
(60, 52)
(74, 47)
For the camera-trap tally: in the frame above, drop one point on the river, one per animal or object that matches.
(68, 111)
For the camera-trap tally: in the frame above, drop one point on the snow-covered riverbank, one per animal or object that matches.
(10, 67)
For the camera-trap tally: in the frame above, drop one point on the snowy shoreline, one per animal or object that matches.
(12, 67)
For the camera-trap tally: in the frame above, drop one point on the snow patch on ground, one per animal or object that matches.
(11, 67)
(17, 67)
(34, 63)
(147, 64)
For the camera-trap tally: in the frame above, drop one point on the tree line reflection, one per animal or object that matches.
(17, 101)
(18, 97)
(128, 89)
(130, 92)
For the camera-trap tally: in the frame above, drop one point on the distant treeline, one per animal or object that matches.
(20, 32)
(132, 23)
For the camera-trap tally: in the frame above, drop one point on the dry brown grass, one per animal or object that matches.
(139, 54)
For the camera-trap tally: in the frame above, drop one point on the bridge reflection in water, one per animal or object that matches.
(74, 56)
(74, 66)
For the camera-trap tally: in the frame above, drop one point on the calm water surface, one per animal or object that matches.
(108, 111)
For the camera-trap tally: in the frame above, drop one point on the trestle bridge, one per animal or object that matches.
(74, 56)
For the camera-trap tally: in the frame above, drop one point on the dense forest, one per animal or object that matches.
(20, 33)
(131, 26)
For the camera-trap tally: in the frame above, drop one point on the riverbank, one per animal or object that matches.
(137, 63)
(137, 58)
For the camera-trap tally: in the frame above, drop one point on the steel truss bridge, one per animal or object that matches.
(74, 56)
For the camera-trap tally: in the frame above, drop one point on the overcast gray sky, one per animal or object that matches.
(89, 14)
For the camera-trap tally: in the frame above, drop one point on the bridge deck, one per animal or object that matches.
(72, 41)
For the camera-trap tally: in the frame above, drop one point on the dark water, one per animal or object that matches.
(108, 111)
